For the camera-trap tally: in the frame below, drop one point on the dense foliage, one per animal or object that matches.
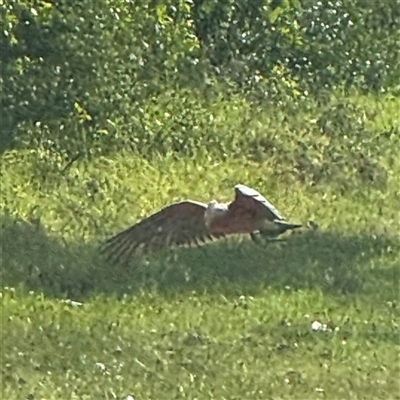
(91, 77)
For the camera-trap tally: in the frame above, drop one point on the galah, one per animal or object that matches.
(191, 222)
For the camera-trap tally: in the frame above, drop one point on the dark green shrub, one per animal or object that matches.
(95, 77)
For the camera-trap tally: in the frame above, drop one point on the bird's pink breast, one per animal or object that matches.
(234, 223)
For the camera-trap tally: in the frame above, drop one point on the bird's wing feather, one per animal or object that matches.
(177, 224)
(249, 199)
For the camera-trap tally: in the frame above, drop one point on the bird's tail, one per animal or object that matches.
(287, 225)
(279, 227)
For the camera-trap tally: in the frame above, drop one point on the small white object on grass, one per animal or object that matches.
(73, 303)
(318, 326)
(100, 366)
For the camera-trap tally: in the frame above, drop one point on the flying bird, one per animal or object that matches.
(191, 222)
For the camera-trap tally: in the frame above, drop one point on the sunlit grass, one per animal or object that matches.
(230, 320)
(153, 346)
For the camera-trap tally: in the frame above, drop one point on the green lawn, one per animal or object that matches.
(230, 320)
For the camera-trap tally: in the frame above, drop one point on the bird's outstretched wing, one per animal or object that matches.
(178, 224)
(249, 199)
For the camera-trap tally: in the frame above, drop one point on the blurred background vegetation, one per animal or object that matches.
(86, 78)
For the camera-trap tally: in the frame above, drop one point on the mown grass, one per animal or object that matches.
(227, 321)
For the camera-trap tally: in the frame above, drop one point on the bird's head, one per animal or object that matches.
(213, 204)
(214, 209)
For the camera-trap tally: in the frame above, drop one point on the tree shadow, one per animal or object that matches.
(329, 261)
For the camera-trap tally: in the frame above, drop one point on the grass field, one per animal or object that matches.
(231, 320)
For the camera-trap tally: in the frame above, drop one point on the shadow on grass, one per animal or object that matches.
(328, 261)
